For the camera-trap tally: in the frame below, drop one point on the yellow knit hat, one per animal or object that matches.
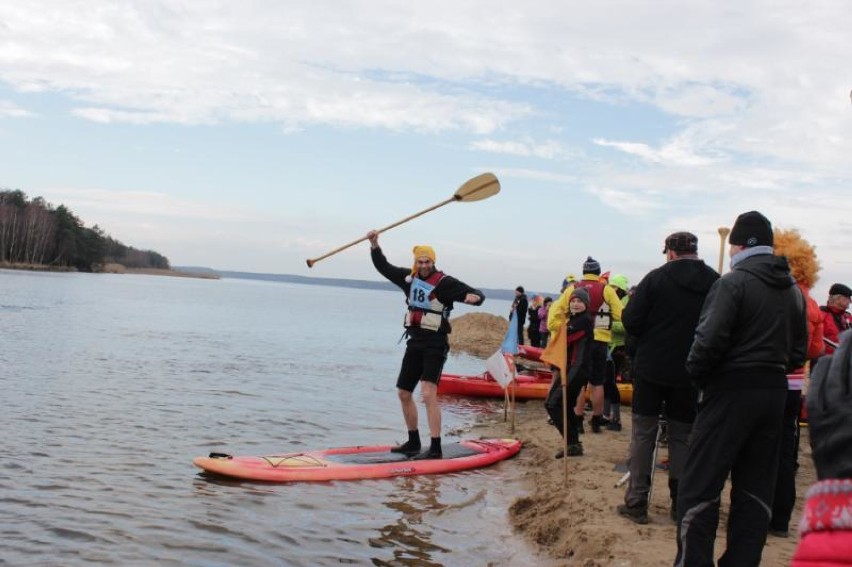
(420, 251)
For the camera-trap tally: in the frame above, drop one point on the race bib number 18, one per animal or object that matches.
(419, 294)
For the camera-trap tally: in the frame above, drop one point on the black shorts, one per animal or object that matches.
(598, 373)
(424, 360)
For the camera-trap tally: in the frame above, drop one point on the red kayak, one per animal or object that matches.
(528, 387)
(530, 352)
(355, 463)
(525, 387)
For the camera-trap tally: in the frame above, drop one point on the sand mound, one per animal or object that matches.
(478, 334)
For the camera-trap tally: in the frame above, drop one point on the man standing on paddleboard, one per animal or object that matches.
(430, 296)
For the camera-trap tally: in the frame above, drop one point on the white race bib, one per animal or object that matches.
(419, 295)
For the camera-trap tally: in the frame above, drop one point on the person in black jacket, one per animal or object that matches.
(519, 308)
(661, 316)
(752, 331)
(429, 296)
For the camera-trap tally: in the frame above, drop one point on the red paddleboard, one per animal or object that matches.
(356, 463)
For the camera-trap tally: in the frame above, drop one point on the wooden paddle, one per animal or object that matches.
(474, 189)
(723, 235)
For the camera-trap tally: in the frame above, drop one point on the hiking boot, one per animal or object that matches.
(408, 449)
(614, 426)
(779, 533)
(637, 514)
(428, 454)
(574, 450)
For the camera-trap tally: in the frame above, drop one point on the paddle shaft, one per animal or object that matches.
(723, 235)
(388, 227)
(564, 381)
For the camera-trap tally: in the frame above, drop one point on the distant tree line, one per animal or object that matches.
(34, 232)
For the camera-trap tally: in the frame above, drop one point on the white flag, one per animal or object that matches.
(499, 368)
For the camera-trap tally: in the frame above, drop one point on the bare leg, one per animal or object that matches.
(597, 400)
(409, 409)
(429, 392)
(580, 402)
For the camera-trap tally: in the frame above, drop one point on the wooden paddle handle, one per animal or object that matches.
(723, 235)
(313, 261)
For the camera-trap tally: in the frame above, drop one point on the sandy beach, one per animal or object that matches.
(575, 523)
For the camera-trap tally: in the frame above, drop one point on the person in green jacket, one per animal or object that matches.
(617, 358)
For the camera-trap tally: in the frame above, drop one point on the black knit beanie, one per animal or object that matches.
(591, 266)
(752, 229)
(582, 294)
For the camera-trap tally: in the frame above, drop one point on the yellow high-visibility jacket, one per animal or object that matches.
(558, 314)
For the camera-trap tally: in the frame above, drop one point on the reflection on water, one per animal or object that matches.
(408, 537)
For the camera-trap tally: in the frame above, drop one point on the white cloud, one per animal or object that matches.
(695, 111)
(533, 175)
(771, 73)
(550, 149)
(92, 204)
(9, 109)
(630, 203)
(669, 154)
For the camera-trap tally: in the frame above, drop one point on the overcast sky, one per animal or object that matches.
(252, 135)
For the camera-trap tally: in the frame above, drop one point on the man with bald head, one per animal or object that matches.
(430, 295)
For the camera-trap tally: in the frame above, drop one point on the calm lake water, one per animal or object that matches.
(113, 383)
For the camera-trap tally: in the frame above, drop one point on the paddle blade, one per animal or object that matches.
(478, 188)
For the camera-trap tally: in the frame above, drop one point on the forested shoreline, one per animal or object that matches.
(34, 234)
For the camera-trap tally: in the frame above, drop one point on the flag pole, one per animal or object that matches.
(564, 380)
(514, 394)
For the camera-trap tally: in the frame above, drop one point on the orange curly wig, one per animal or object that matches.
(801, 255)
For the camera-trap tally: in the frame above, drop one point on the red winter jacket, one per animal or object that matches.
(816, 326)
(826, 526)
(831, 317)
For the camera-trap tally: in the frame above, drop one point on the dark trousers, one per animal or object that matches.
(611, 393)
(533, 334)
(554, 407)
(648, 400)
(736, 432)
(785, 486)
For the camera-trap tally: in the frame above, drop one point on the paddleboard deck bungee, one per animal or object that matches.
(357, 463)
